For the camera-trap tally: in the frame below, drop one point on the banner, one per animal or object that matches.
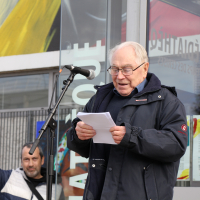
(196, 147)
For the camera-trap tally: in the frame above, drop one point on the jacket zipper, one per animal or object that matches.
(88, 178)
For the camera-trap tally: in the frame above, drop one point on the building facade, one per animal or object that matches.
(38, 43)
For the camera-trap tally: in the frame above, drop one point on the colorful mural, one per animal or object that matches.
(26, 26)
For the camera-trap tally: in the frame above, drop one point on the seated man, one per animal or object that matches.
(28, 182)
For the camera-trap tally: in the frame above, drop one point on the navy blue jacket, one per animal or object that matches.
(145, 164)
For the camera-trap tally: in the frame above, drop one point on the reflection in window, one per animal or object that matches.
(24, 91)
(174, 32)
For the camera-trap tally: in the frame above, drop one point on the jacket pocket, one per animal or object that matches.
(98, 164)
(97, 173)
(150, 183)
(90, 196)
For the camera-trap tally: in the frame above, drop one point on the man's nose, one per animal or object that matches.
(30, 163)
(120, 75)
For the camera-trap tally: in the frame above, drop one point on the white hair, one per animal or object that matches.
(140, 52)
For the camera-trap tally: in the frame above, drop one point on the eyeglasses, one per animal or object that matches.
(126, 71)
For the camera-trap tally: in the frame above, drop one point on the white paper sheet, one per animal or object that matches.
(101, 123)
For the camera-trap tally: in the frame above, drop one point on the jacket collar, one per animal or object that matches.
(105, 92)
(153, 84)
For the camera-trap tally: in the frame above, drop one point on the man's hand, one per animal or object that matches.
(118, 133)
(84, 131)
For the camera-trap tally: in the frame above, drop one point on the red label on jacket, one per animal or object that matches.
(184, 127)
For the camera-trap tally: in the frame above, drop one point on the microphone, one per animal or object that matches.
(89, 74)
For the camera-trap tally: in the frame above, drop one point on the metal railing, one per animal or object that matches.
(17, 128)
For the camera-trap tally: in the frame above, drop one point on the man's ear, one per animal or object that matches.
(146, 67)
(42, 160)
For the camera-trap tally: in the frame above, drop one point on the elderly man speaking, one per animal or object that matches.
(150, 132)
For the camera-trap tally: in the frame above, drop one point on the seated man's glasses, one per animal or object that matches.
(126, 71)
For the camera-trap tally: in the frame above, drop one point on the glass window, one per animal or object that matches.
(80, 90)
(24, 91)
(89, 28)
(174, 35)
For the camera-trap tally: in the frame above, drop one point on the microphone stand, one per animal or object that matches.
(52, 124)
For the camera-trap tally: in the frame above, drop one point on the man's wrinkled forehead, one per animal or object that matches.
(123, 66)
(127, 54)
(25, 152)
